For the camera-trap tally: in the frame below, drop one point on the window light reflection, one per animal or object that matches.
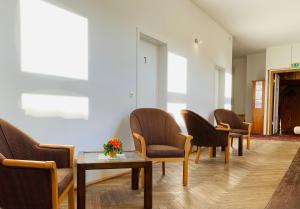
(54, 41)
(177, 74)
(67, 107)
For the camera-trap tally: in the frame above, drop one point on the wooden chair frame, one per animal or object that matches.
(51, 166)
(210, 149)
(249, 125)
(184, 159)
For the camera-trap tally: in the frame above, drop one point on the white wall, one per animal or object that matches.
(279, 58)
(239, 66)
(256, 64)
(112, 66)
(283, 56)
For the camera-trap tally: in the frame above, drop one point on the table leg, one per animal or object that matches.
(241, 146)
(148, 186)
(135, 178)
(80, 187)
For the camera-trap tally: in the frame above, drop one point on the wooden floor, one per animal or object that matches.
(246, 183)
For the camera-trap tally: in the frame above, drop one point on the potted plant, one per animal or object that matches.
(113, 147)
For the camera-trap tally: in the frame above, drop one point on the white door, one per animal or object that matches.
(276, 103)
(147, 88)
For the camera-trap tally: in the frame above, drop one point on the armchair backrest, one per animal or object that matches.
(202, 131)
(155, 125)
(21, 188)
(15, 144)
(229, 117)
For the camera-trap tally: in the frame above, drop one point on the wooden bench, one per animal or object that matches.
(287, 194)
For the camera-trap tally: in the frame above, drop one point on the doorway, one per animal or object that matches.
(151, 72)
(148, 74)
(283, 96)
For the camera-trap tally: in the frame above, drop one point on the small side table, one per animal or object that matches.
(134, 160)
(240, 138)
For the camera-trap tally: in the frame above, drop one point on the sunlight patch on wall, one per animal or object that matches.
(174, 109)
(67, 107)
(228, 91)
(53, 41)
(177, 74)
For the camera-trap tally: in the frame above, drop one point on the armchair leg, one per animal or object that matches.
(248, 141)
(198, 154)
(185, 172)
(210, 152)
(71, 200)
(227, 153)
(163, 168)
(191, 150)
(214, 151)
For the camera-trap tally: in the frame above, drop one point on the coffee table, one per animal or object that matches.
(96, 160)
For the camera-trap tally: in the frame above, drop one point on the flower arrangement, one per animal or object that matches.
(113, 147)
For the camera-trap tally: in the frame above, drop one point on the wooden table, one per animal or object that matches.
(240, 138)
(96, 160)
(287, 194)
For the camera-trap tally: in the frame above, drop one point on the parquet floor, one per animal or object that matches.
(247, 182)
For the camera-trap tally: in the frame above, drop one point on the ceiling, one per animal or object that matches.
(256, 24)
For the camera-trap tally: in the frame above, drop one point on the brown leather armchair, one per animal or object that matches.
(205, 135)
(157, 136)
(32, 175)
(231, 120)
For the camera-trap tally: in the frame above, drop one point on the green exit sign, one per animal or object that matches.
(295, 65)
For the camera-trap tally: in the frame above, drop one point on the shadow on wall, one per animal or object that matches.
(122, 130)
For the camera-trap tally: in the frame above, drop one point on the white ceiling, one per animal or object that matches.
(256, 24)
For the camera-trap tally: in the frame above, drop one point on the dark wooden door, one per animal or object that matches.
(289, 109)
(258, 102)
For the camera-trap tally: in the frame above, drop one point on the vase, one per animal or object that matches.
(112, 154)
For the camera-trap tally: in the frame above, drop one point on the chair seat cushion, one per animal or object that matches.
(64, 177)
(239, 131)
(164, 151)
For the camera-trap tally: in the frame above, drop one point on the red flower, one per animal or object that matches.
(115, 143)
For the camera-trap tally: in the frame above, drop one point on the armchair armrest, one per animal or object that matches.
(247, 123)
(33, 169)
(50, 165)
(247, 126)
(223, 129)
(226, 125)
(141, 141)
(187, 145)
(62, 147)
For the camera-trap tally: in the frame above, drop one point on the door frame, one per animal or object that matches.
(276, 89)
(269, 97)
(162, 66)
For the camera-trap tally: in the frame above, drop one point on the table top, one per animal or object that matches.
(99, 158)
